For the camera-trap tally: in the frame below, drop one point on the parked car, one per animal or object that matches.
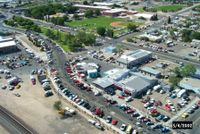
(108, 119)
(123, 127)
(114, 122)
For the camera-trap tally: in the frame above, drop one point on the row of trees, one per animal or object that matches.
(17, 21)
(40, 11)
(189, 35)
(74, 42)
(180, 73)
(59, 20)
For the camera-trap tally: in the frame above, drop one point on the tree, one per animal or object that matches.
(174, 81)
(66, 18)
(131, 27)
(89, 13)
(97, 12)
(110, 33)
(188, 70)
(57, 105)
(154, 17)
(85, 2)
(101, 31)
(169, 20)
(186, 35)
(75, 16)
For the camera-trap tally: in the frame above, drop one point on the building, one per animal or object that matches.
(144, 15)
(151, 71)
(57, 15)
(190, 84)
(8, 45)
(136, 85)
(132, 83)
(92, 7)
(154, 38)
(117, 12)
(117, 74)
(196, 74)
(103, 4)
(134, 58)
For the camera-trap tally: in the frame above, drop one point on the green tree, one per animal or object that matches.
(174, 81)
(89, 13)
(169, 20)
(110, 33)
(131, 27)
(75, 16)
(85, 2)
(97, 12)
(187, 70)
(57, 105)
(186, 35)
(101, 31)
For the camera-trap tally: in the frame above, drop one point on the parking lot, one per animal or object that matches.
(28, 99)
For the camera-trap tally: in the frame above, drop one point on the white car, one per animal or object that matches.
(128, 99)
(123, 127)
(92, 121)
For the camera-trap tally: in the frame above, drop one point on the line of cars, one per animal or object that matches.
(191, 110)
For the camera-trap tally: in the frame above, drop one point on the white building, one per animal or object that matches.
(7, 45)
(134, 58)
(190, 84)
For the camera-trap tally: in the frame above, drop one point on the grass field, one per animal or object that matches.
(91, 24)
(169, 8)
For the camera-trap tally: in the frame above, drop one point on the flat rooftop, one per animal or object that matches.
(150, 70)
(7, 44)
(92, 7)
(134, 55)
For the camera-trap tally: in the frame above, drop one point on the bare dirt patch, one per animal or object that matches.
(117, 24)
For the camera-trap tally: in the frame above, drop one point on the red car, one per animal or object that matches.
(121, 97)
(114, 122)
(130, 111)
(198, 102)
(33, 81)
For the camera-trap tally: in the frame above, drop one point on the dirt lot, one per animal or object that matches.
(37, 111)
(3, 131)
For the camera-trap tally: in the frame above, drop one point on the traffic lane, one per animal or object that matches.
(97, 101)
(195, 117)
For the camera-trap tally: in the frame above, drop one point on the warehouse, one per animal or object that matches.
(134, 58)
(136, 85)
(8, 45)
(132, 83)
(151, 71)
(190, 84)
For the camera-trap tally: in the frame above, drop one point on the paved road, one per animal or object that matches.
(196, 123)
(13, 124)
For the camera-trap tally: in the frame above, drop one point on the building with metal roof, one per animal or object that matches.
(133, 83)
(117, 74)
(8, 46)
(134, 58)
(137, 85)
(190, 84)
(196, 74)
(151, 71)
